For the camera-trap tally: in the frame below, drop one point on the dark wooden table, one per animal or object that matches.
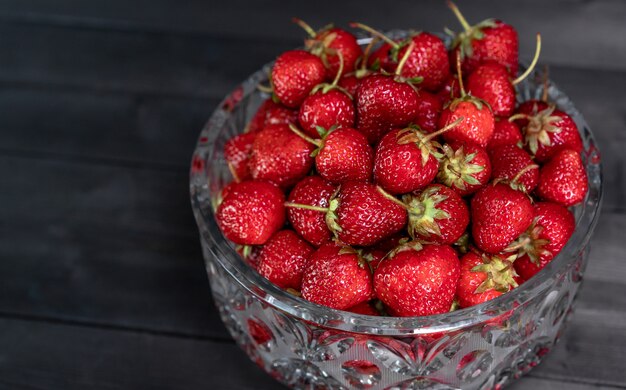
(102, 283)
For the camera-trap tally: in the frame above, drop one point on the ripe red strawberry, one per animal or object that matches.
(464, 167)
(294, 75)
(373, 256)
(310, 224)
(422, 55)
(491, 82)
(280, 155)
(428, 60)
(350, 83)
(552, 227)
(383, 104)
(507, 161)
(283, 258)
(364, 308)
(499, 215)
(489, 40)
(251, 212)
(563, 179)
(329, 43)
(429, 108)
(484, 278)
(336, 276)
(504, 133)
(237, 152)
(342, 155)
(437, 214)
(326, 110)
(477, 125)
(405, 161)
(381, 59)
(548, 130)
(418, 280)
(450, 90)
(250, 254)
(361, 215)
(270, 113)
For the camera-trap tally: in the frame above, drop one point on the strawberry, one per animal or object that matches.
(547, 130)
(361, 215)
(326, 110)
(423, 57)
(552, 227)
(270, 113)
(237, 152)
(478, 123)
(506, 163)
(489, 40)
(283, 258)
(331, 43)
(337, 277)
(429, 107)
(294, 75)
(381, 58)
(310, 224)
(364, 308)
(484, 278)
(250, 254)
(450, 90)
(563, 179)
(251, 212)
(418, 280)
(504, 133)
(490, 82)
(373, 256)
(384, 103)
(405, 161)
(499, 215)
(464, 167)
(437, 214)
(350, 83)
(342, 155)
(280, 155)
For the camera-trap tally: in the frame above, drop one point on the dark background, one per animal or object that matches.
(102, 283)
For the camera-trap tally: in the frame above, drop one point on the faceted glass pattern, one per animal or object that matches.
(304, 345)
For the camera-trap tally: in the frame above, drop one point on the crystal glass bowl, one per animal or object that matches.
(305, 345)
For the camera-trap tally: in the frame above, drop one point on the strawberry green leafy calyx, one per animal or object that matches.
(500, 274)
(539, 127)
(332, 220)
(457, 168)
(530, 243)
(423, 212)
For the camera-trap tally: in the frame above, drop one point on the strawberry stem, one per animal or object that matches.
(264, 88)
(405, 58)
(515, 117)
(442, 130)
(306, 207)
(459, 75)
(233, 172)
(459, 16)
(305, 137)
(392, 198)
(339, 72)
(523, 171)
(546, 84)
(305, 26)
(532, 64)
(376, 33)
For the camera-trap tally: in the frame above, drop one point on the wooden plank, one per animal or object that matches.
(104, 245)
(155, 63)
(151, 129)
(38, 355)
(569, 27)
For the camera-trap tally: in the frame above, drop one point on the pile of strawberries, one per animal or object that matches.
(402, 178)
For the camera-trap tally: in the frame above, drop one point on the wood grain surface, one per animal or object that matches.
(102, 283)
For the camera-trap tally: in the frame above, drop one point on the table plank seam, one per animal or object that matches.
(113, 327)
